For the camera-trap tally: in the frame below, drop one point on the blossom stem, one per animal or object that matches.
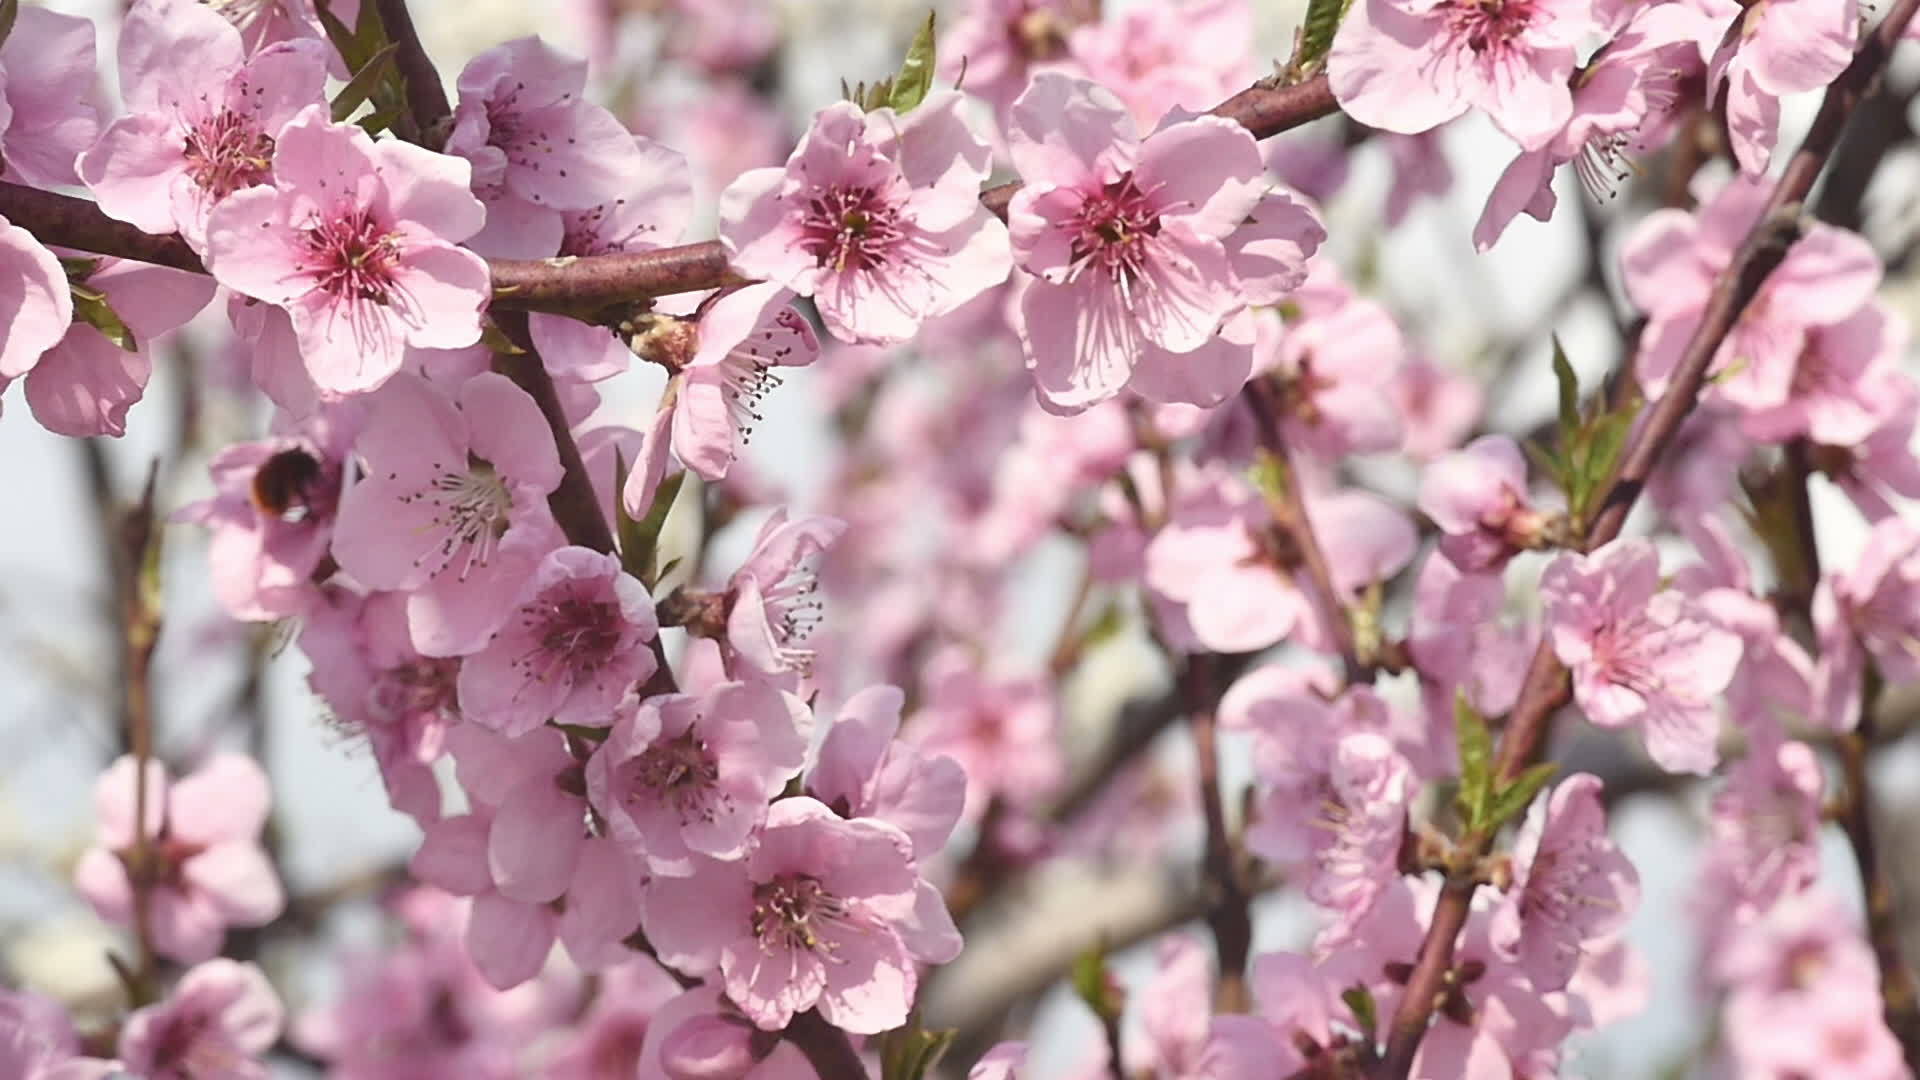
(1546, 687)
(140, 628)
(1228, 909)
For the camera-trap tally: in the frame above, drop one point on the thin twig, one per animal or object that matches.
(1228, 909)
(1546, 686)
(140, 629)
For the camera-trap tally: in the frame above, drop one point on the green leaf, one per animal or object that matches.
(1548, 461)
(92, 308)
(1569, 391)
(1111, 620)
(1269, 476)
(910, 1051)
(640, 553)
(79, 268)
(916, 72)
(1365, 1013)
(9, 11)
(1515, 797)
(1316, 33)
(361, 87)
(1476, 762)
(1095, 985)
(626, 531)
(345, 42)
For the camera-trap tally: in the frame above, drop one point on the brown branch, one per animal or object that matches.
(1546, 687)
(140, 630)
(586, 283)
(1229, 914)
(426, 98)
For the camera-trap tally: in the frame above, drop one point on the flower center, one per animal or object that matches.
(850, 228)
(471, 509)
(1112, 228)
(352, 256)
(226, 152)
(792, 909)
(1489, 25)
(794, 609)
(680, 771)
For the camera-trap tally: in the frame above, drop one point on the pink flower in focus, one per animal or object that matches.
(453, 508)
(203, 116)
(876, 216)
(1780, 47)
(1838, 395)
(1640, 654)
(220, 1019)
(379, 687)
(699, 1035)
(715, 397)
(272, 516)
(1409, 67)
(204, 866)
(1571, 884)
(815, 916)
(36, 306)
(1672, 260)
(1125, 239)
(1003, 732)
(1882, 462)
(537, 147)
(85, 384)
(682, 775)
(568, 653)
(47, 115)
(1477, 497)
(355, 239)
(865, 771)
(773, 608)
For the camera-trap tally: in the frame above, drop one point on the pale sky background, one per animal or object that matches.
(329, 801)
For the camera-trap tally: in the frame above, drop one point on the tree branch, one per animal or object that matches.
(1546, 687)
(1229, 913)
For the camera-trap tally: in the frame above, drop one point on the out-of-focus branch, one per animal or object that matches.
(1229, 915)
(140, 632)
(1546, 687)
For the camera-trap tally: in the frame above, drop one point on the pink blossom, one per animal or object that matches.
(1003, 732)
(36, 306)
(536, 146)
(37, 1041)
(1477, 496)
(219, 1020)
(1161, 57)
(773, 606)
(815, 916)
(1780, 47)
(1438, 406)
(1640, 654)
(1461, 644)
(1837, 396)
(685, 775)
(1764, 829)
(378, 687)
(1669, 267)
(864, 770)
(1774, 681)
(272, 516)
(1882, 462)
(85, 384)
(47, 115)
(203, 116)
(715, 397)
(1804, 968)
(612, 1032)
(452, 509)
(1571, 884)
(1052, 460)
(1868, 610)
(1300, 1003)
(355, 239)
(1000, 44)
(1337, 363)
(1179, 1037)
(876, 216)
(1410, 67)
(699, 1036)
(203, 866)
(1125, 242)
(1419, 169)
(655, 199)
(568, 653)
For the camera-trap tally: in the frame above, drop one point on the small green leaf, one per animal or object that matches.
(1269, 476)
(1515, 797)
(1111, 620)
(361, 87)
(1476, 762)
(910, 1051)
(1316, 33)
(78, 268)
(1365, 1013)
(1095, 985)
(643, 557)
(1569, 391)
(9, 11)
(626, 531)
(916, 72)
(1547, 460)
(345, 42)
(92, 308)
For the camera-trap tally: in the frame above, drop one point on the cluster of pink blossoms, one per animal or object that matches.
(746, 823)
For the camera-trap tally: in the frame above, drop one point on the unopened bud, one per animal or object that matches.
(662, 339)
